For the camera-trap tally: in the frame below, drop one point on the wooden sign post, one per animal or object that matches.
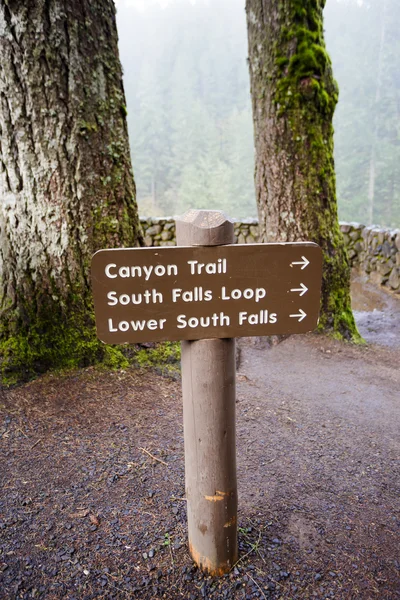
(208, 390)
(205, 293)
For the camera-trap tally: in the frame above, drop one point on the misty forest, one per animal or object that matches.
(189, 110)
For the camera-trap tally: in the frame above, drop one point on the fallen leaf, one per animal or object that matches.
(80, 514)
(241, 377)
(95, 520)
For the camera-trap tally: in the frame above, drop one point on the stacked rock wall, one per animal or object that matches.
(373, 251)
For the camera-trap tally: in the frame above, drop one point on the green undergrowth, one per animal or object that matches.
(26, 355)
(36, 338)
(164, 356)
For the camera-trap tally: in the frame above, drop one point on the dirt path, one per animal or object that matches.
(86, 512)
(377, 313)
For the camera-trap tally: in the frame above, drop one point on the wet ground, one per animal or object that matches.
(377, 313)
(92, 478)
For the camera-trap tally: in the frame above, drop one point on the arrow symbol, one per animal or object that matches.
(304, 262)
(301, 315)
(303, 289)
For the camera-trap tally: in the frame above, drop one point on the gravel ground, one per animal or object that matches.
(92, 480)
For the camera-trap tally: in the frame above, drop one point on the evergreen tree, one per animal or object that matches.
(363, 40)
(195, 76)
(185, 74)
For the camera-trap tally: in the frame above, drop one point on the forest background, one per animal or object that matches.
(189, 110)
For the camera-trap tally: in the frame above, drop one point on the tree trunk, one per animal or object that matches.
(294, 97)
(66, 184)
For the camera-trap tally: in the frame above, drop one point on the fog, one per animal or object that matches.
(189, 110)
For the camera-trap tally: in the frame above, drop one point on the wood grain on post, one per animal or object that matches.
(208, 388)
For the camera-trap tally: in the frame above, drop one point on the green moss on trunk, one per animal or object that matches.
(46, 335)
(294, 97)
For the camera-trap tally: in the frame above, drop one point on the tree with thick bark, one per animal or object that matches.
(66, 182)
(294, 97)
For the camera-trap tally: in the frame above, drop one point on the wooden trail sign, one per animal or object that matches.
(206, 293)
(155, 294)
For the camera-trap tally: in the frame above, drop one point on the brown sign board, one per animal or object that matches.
(191, 293)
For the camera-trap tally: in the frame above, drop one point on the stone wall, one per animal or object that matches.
(160, 231)
(373, 251)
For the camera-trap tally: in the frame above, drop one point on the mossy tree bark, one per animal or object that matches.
(66, 183)
(294, 96)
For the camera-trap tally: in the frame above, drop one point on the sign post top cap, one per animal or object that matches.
(204, 228)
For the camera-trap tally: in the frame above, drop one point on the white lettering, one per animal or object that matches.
(110, 326)
(197, 294)
(242, 317)
(211, 268)
(123, 326)
(172, 270)
(223, 265)
(124, 272)
(113, 297)
(196, 267)
(176, 292)
(147, 297)
(107, 270)
(260, 294)
(249, 293)
(261, 318)
(192, 264)
(136, 271)
(138, 325)
(194, 322)
(147, 272)
(137, 299)
(225, 320)
(159, 270)
(181, 321)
